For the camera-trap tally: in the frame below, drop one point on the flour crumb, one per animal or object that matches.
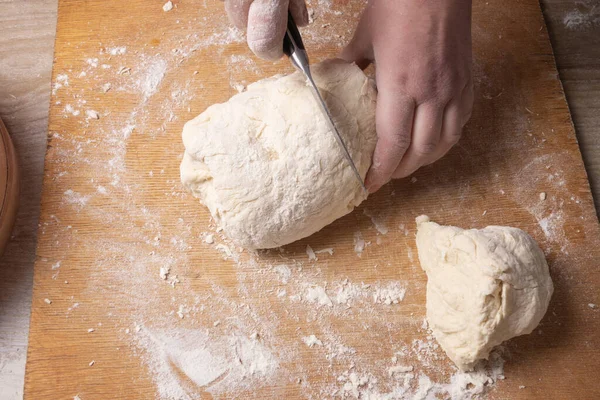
(91, 364)
(181, 311)
(377, 221)
(91, 114)
(173, 280)
(91, 330)
(543, 196)
(310, 253)
(312, 340)
(592, 306)
(392, 294)
(326, 250)
(239, 87)
(399, 369)
(117, 51)
(106, 87)
(225, 250)
(164, 273)
(47, 301)
(318, 295)
(209, 239)
(284, 272)
(359, 243)
(168, 6)
(521, 387)
(413, 179)
(76, 397)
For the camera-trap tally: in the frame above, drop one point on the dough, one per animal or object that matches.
(265, 163)
(483, 287)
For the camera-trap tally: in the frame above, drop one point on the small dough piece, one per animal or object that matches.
(266, 164)
(484, 286)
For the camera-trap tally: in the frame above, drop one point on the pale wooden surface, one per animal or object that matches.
(27, 30)
(26, 42)
(113, 212)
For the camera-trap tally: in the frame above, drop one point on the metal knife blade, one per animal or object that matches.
(333, 128)
(293, 47)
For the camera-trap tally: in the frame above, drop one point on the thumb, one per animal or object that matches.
(267, 22)
(237, 11)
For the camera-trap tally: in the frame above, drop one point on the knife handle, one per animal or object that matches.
(292, 41)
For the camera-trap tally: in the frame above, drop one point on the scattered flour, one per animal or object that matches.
(310, 253)
(76, 199)
(359, 243)
(187, 360)
(152, 77)
(586, 16)
(391, 294)
(311, 341)
(117, 51)
(168, 6)
(378, 221)
(226, 340)
(317, 294)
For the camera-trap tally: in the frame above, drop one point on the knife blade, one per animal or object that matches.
(293, 47)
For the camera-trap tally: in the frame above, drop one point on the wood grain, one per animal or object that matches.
(571, 312)
(26, 47)
(575, 32)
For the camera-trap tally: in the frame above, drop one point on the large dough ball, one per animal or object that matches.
(266, 164)
(483, 287)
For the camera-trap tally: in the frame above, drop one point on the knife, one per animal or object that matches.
(293, 47)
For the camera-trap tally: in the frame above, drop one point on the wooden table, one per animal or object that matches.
(26, 38)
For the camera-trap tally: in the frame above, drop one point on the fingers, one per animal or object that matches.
(267, 22)
(456, 115)
(394, 117)
(237, 11)
(299, 12)
(451, 131)
(359, 50)
(426, 133)
(466, 103)
(433, 147)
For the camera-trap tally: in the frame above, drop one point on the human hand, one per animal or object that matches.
(422, 54)
(265, 22)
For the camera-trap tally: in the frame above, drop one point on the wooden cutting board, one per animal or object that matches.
(221, 323)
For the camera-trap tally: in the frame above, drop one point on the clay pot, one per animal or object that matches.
(9, 186)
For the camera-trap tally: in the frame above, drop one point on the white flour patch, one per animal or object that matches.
(359, 243)
(76, 199)
(317, 294)
(378, 221)
(552, 225)
(117, 51)
(284, 272)
(185, 361)
(393, 293)
(311, 341)
(152, 77)
(585, 16)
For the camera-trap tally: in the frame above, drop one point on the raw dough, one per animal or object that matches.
(265, 163)
(483, 287)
